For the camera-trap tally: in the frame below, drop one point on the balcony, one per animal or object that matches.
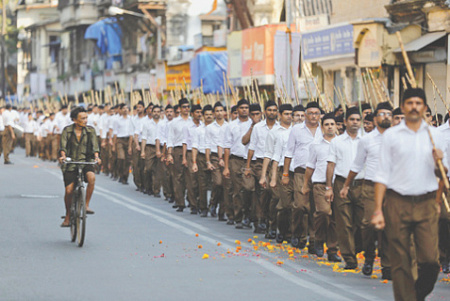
(75, 13)
(412, 11)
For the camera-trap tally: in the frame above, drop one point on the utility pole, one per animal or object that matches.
(3, 49)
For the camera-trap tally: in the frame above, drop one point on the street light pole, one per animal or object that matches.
(3, 49)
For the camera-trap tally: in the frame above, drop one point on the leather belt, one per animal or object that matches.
(415, 198)
(354, 183)
(300, 170)
(236, 157)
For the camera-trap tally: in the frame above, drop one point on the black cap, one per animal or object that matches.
(207, 108)
(233, 109)
(299, 108)
(365, 106)
(255, 107)
(312, 104)
(63, 107)
(270, 103)
(286, 107)
(183, 101)
(351, 111)
(397, 111)
(383, 106)
(169, 106)
(195, 108)
(218, 104)
(414, 92)
(242, 102)
(328, 116)
(369, 117)
(141, 103)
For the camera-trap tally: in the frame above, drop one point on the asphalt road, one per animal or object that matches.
(138, 248)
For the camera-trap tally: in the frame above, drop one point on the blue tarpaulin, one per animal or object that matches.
(108, 34)
(209, 67)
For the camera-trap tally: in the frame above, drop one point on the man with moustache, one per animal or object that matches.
(137, 162)
(406, 179)
(367, 157)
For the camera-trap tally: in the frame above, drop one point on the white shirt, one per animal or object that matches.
(343, 152)
(368, 154)
(233, 137)
(62, 121)
(30, 126)
(50, 126)
(406, 160)
(103, 125)
(123, 127)
(258, 138)
(198, 139)
(93, 120)
(138, 125)
(318, 155)
(150, 131)
(214, 135)
(43, 130)
(282, 137)
(298, 144)
(188, 133)
(2, 125)
(445, 130)
(8, 118)
(269, 145)
(175, 131)
(163, 131)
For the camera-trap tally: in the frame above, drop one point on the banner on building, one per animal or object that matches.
(177, 75)
(234, 49)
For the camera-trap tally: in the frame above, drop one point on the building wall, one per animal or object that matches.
(350, 10)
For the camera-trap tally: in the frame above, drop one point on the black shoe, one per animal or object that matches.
(246, 223)
(312, 249)
(175, 206)
(239, 226)
(171, 200)
(230, 222)
(367, 268)
(350, 266)
(124, 182)
(280, 238)
(295, 242)
(194, 211)
(157, 195)
(138, 189)
(180, 209)
(204, 213)
(319, 249)
(259, 229)
(9, 163)
(222, 218)
(272, 234)
(445, 268)
(263, 226)
(334, 258)
(386, 274)
(212, 211)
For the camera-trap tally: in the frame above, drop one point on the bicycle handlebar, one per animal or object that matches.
(69, 161)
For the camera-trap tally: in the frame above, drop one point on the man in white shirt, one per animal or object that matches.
(261, 197)
(234, 160)
(149, 145)
(406, 176)
(299, 114)
(191, 178)
(367, 157)
(175, 153)
(199, 160)
(300, 138)
(8, 133)
(349, 211)
(2, 128)
(137, 162)
(316, 169)
(52, 145)
(29, 129)
(163, 126)
(123, 138)
(221, 188)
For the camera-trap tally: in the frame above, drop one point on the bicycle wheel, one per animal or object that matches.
(81, 216)
(73, 215)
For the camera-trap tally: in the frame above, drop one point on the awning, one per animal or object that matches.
(422, 42)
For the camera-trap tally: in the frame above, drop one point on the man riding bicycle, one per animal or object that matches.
(78, 142)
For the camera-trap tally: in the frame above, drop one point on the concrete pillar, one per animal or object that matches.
(396, 86)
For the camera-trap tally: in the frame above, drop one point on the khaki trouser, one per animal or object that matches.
(105, 154)
(152, 169)
(369, 234)
(349, 213)
(406, 215)
(203, 176)
(7, 144)
(191, 180)
(324, 220)
(123, 158)
(237, 166)
(1, 143)
(42, 148)
(29, 144)
(166, 179)
(284, 206)
(301, 208)
(275, 197)
(178, 176)
(52, 147)
(138, 167)
(221, 189)
(260, 197)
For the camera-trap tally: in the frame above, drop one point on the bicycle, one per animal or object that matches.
(77, 220)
